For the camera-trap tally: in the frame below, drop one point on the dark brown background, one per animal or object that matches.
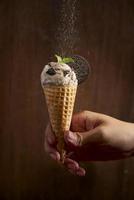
(106, 39)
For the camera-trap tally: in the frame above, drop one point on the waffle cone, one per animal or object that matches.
(60, 102)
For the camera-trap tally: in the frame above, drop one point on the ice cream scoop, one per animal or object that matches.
(55, 73)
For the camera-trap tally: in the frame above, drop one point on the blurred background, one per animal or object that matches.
(31, 32)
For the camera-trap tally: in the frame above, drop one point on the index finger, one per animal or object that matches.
(78, 122)
(85, 120)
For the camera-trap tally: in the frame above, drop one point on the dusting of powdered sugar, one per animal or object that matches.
(67, 33)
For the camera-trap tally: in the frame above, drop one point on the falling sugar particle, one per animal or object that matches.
(67, 33)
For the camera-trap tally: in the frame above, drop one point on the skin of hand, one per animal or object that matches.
(92, 137)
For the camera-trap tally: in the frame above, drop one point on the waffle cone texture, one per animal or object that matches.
(60, 102)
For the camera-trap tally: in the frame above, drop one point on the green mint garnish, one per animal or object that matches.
(59, 59)
(64, 60)
(67, 60)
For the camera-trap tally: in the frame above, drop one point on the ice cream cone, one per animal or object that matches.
(60, 102)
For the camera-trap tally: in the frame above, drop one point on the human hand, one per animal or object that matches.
(50, 148)
(93, 137)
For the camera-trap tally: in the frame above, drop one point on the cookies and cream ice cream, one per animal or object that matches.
(55, 73)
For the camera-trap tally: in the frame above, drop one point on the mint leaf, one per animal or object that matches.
(67, 60)
(63, 60)
(59, 59)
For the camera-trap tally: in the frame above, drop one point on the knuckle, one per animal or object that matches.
(103, 133)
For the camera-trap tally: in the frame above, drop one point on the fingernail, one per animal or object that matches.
(72, 137)
(53, 156)
(80, 173)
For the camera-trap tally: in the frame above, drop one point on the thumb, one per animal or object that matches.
(93, 136)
